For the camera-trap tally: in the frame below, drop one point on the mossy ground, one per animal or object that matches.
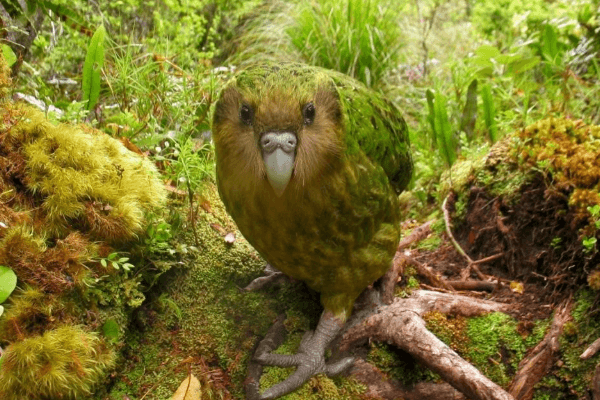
(218, 325)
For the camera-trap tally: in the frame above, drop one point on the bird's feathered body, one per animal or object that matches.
(309, 164)
(336, 224)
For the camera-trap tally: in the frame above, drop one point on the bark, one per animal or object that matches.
(538, 362)
(401, 324)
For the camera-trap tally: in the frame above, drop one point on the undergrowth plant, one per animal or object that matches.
(361, 38)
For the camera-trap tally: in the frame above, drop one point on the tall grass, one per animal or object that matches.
(361, 38)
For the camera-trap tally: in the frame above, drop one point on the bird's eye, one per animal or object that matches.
(309, 113)
(246, 114)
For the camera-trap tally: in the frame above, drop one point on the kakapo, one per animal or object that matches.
(309, 164)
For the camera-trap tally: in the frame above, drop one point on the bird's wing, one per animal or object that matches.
(374, 125)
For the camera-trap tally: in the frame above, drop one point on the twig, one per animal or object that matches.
(472, 265)
(389, 280)
(449, 231)
(425, 271)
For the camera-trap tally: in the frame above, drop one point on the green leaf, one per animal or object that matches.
(9, 55)
(111, 330)
(8, 282)
(489, 112)
(94, 60)
(103, 262)
(446, 143)
(550, 43)
(469, 114)
(523, 64)
(487, 51)
(431, 116)
(115, 265)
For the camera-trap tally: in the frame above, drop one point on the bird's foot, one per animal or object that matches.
(272, 277)
(309, 360)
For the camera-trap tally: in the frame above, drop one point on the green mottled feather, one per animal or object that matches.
(336, 226)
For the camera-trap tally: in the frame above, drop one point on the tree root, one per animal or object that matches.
(591, 351)
(539, 360)
(401, 324)
(473, 265)
(389, 280)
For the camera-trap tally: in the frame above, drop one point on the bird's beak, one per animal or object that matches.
(279, 152)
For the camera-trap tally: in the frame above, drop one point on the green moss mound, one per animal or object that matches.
(64, 363)
(71, 199)
(83, 178)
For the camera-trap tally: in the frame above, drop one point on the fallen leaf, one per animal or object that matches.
(517, 287)
(188, 390)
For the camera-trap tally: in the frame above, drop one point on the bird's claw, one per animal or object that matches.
(308, 362)
(272, 277)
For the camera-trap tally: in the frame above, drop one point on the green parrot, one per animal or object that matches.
(309, 163)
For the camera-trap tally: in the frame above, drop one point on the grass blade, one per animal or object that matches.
(94, 60)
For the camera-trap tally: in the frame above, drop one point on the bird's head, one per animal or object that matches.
(278, 124)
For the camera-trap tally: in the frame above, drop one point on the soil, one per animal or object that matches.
(538, 239)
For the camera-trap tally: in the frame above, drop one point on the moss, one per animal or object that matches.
(70, 194)
(594, 279)
(567, 150)
(493, 343)
(398, 365)
(86, 178)
(5, 80)
(432, 242)
(65, 363)
(496, 346)
(449, 329)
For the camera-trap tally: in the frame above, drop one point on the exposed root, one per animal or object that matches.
(402, 325)
(539, 360)
(417, 234)
(591, 351)
(389, 280)
(472, 264)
